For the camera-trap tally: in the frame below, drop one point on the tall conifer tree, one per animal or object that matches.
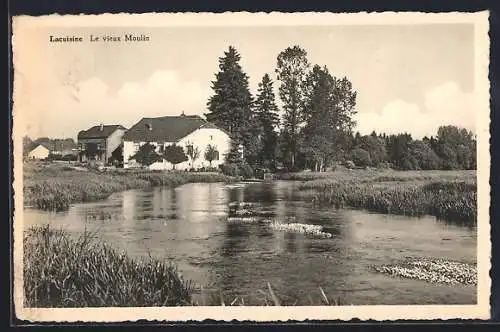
(230, 106)
(267, 114)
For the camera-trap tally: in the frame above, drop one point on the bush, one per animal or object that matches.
(361, 157)
(230, 169)
(246, 171)
(69, 157)
(349, 164)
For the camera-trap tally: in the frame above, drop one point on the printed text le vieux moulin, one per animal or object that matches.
(99, 38)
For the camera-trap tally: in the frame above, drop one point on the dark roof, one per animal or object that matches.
(96, 132)
(166, 128)
(44, 144)
(64, 144)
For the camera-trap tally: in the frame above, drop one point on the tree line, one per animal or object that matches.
(313, 127)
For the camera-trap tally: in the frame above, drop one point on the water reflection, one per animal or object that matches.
(190, 225)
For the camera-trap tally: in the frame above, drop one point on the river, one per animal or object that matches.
(189, 225)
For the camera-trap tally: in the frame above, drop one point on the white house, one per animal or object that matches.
(39, 152)
(191, 132)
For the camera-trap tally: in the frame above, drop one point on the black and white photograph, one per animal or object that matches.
(251, 166)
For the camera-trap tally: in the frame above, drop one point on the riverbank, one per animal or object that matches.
(447, 195)
(79, 270)
(61, 270)
(55, 186)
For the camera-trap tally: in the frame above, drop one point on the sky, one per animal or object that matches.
(409, 78)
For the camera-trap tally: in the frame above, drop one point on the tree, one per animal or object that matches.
(91, 150)
(375, 146)
(456, 147)
(146, 155)
(27, 145)
(174, 154)
(328, 120)
(117, 155)
(360, 157)
(267, 115)
(425, 157)
(230, 105)
(192, 152)
(292, 67)
(211, 154)
(398, 149)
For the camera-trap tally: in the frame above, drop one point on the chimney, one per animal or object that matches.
(101, 127)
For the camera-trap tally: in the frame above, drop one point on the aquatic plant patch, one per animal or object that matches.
(242, 219)
(311, 230)
(433, 270)
(61, 271)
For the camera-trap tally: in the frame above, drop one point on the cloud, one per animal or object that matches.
(445, 104)
(72, 108)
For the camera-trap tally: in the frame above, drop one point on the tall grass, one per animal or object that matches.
(55, 187)
(447, 195)
(65, 271)
(60, 271)
(454, 201)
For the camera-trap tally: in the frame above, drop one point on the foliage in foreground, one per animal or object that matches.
(55, 188)
(63, 272)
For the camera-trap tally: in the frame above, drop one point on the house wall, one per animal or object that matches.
(113, 142)
(40, 152)
(107, 145)
(200, 139)
(82, 142)
(203, 137)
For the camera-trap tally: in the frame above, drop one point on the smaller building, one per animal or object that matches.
(64, 147)
(101, 143)
(191, 132)
(40, 152)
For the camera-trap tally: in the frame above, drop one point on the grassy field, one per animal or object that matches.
(448, 195)
(56, 186)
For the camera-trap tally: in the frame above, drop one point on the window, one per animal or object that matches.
(211, 137)
(190, 150)
(216, 155)
(136, 146)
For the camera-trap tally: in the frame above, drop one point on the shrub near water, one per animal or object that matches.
(63, 272)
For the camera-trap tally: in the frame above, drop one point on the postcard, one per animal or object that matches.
(251, 166)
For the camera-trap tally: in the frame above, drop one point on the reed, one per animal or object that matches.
(449, 203)
(446, 195)
(55, 187)
(60, 271)
(68, 271)
(267, 296)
